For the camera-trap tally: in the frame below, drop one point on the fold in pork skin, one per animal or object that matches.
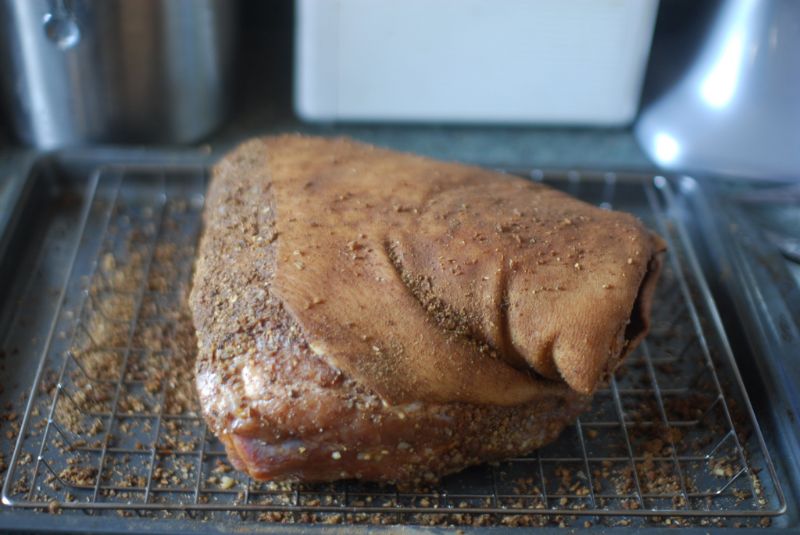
(364, 313)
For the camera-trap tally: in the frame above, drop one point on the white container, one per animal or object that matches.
(480, 61)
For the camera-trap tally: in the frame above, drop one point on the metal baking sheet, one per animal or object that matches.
(672, 440)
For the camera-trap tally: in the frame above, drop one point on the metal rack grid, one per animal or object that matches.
(673, 434)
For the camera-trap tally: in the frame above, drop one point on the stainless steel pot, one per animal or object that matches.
(115, 71)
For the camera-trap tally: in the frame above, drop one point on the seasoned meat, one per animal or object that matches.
(371, 314)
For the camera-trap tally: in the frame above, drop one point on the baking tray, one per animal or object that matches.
(673, 440)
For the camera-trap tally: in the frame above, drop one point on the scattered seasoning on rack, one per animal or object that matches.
(160, 363)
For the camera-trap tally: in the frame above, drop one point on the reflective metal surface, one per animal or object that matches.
(737, 109)
(87, 71)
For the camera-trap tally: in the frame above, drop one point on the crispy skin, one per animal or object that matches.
(366, 313)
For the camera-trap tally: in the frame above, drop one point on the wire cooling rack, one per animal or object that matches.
(111, 425)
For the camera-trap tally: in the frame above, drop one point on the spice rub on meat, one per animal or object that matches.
(372, 314)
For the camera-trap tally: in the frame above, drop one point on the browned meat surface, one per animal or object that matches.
(366, 313)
